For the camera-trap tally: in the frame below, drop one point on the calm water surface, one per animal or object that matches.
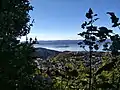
(61, 45)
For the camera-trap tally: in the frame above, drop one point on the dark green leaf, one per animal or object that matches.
(90, 11)
(88, 15)
(96, 47)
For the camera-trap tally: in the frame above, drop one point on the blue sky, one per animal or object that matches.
(61, 19)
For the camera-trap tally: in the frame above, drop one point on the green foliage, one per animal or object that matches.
(101, 34)
(99, 70)
(67, 71)
(17, 67)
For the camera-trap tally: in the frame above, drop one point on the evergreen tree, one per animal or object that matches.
(17, 67)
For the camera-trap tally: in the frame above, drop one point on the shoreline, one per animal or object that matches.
(48, 53)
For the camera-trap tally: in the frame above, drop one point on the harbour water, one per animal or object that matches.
(61, 45)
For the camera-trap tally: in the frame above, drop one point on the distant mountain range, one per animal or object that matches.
(44, 53)
(59, 42)
(64, 42)
(51, 48)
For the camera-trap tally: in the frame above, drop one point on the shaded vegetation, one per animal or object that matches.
(90, 70)
(17, 67)
(93, 70)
